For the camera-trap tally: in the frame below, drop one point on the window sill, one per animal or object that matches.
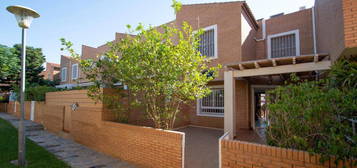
(210, 115)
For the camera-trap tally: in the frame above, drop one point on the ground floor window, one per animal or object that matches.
(212, 104)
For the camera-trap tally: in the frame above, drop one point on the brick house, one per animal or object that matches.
(51, 72)
(257, 55)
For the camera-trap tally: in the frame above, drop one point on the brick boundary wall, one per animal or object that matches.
(239, 154)
(142, 146)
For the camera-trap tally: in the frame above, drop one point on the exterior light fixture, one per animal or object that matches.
(24, 17)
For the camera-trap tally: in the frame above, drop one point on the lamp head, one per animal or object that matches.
(24, 15)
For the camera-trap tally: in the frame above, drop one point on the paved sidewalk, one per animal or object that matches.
(74, 154)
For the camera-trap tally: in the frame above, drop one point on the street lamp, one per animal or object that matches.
(24, 17)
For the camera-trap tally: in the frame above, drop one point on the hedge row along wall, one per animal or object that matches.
(239, 154)
(142, 146)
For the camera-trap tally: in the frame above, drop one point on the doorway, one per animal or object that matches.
(260, 113)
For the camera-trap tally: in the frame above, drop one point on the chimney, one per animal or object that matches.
(302, 8)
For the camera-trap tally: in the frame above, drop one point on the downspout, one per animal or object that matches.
(317, 77)
(314, 29)
(263, 31)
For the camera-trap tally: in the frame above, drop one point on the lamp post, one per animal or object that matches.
(24, 17)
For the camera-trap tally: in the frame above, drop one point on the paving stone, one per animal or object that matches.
(74, 154)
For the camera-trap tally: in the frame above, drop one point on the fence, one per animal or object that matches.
(234, 154)
(142, 146)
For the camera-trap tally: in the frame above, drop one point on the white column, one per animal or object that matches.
(229, 104)
(32, 114)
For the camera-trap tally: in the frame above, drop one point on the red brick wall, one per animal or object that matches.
(228, 29)
(350, 22)
(238, 154)
(301, 20)
(142, 146)
(242, 105)
(146, 147)
(67, 61)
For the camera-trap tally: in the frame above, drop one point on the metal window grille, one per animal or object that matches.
(74, 71)
(64, 74)
(213, 104)
(283, 46)
(207, 43)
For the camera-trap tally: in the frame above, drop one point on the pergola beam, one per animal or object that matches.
(282, 69)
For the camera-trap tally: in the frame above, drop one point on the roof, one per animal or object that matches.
(54, 64)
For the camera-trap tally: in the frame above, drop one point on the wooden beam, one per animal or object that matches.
(303, 67)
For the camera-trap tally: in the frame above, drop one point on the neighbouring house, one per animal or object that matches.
(257, 55)
(51, 72)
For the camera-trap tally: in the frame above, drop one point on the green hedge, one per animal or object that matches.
(312, 115)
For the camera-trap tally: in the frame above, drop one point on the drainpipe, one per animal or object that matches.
(317, 77)
(263, 31)
(314, 29)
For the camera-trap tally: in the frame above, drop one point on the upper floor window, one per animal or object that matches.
(64, 74)
(208, 42)
(212, 104)
(284, 44)
(74, 71)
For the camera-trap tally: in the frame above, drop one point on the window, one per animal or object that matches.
(74, 71)
(213, 104)
(284, 44)
(208, 42)
(64, 74)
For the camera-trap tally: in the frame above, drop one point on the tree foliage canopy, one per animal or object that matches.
(10, 65)
(161, 66)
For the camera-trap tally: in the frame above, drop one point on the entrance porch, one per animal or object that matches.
(246, 83)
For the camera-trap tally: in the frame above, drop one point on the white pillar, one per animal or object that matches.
(229, 104)
(32, 114)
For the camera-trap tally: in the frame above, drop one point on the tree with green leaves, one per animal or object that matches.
(10, 65)
(162, 69)
(34, 62)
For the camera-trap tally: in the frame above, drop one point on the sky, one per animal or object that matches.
(94, 22)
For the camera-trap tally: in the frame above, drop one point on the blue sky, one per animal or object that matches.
(94, 22)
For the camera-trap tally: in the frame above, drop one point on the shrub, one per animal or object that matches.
(36, 93)
(311, 115)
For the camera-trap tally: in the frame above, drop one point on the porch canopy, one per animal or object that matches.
(264, 67)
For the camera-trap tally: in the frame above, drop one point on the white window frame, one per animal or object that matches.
(65, 74)
(215, 30)
(297, 40)
(198, 106)
(74, 78)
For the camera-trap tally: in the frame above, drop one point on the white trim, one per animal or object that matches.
(32, 114)
(65, 74)
(183, 149)
(297, 41)
(202, 114)
(223, 137)
(215, 30)
(77, 74)
(252, 89)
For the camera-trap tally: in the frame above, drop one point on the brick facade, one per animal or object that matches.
(238, 154)
(350, 22)
(51, 72)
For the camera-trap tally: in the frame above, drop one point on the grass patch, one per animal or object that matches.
(36, 156)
